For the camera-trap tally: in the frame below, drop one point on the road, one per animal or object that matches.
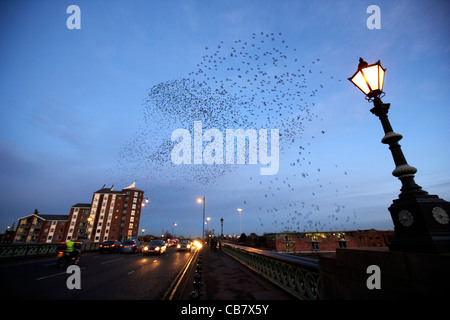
(103, 276)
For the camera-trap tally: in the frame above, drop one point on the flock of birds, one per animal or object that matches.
(256, 83)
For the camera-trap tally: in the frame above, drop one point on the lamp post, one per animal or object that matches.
(421, 220)
(200, 200)
(221, 228)
(240, 221)
(173, 225)
(89, 226)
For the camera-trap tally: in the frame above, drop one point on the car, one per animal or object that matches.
(184, 245)
(110, 246)
(133, 246)
(155, 247)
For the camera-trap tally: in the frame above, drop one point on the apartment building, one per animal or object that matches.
(111, 215)
(41, 228)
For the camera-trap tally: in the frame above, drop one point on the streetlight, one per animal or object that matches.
(200, 200)
(421, 220)
(173, 225)
(221, 228)
(207, 224)
(240, 221)
(89, 227)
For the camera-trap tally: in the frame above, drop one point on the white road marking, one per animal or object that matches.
(113, 260)
(56, 274)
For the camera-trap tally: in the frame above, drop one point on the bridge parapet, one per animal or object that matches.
(17, 251)
(296, 275)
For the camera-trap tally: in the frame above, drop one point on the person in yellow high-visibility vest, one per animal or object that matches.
(69, 246)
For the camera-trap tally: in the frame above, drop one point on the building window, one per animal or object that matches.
(315, 245)
(342, 244)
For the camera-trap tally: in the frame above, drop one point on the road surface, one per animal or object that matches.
(103, 276)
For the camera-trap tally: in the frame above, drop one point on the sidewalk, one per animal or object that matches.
(227, 279)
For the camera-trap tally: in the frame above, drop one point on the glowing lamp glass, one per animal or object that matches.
(369, 79)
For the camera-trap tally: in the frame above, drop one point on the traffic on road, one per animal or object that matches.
(128, 272)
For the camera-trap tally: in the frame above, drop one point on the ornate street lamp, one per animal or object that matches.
(202, 200)
(240, 221)
(421, 220)
(369, 79)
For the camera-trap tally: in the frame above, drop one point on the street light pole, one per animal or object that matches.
(240, 221)
(200, 200)
(421, 220)
(173, 225)
(403, 171)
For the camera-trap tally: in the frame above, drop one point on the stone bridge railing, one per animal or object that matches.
(298, 276)
(17, 251)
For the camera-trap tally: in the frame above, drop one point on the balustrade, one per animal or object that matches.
(298, 276)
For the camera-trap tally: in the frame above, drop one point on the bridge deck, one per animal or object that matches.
(227, 279)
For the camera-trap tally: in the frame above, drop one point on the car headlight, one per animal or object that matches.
(145, 248)
(178, 246)
(157, 248)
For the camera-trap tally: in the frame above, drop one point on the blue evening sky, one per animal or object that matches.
(75, 113)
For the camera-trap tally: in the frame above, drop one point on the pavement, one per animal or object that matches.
(224, 278)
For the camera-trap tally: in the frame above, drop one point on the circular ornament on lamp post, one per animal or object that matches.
(440, 215)
(406, 218)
